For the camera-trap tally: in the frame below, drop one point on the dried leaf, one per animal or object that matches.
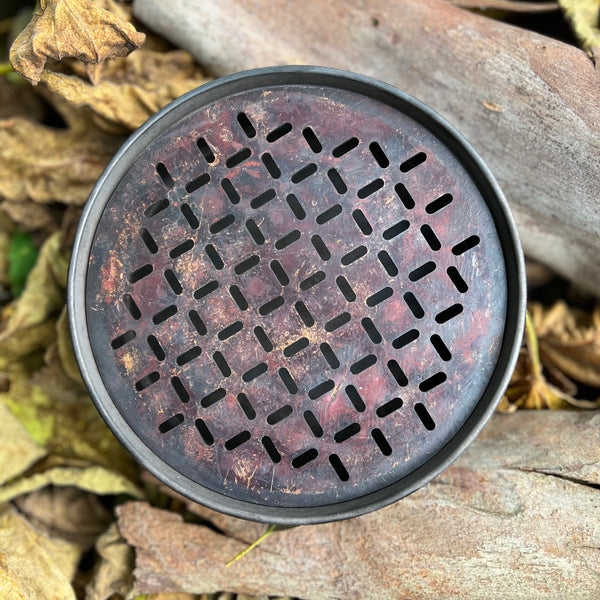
(19, 101)
(131, 89)
(32, 565)
(71, 28)
(113, 574)
(18, 451)
(29, 215)
(64, 348)
(584, 19)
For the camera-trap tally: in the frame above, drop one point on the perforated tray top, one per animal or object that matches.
(290, 293)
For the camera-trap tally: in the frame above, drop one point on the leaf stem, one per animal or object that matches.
(253, 545)
(5, 68)
(533, 347)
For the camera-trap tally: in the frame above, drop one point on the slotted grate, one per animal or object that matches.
(296, 295)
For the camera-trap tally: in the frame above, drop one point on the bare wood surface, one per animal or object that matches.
(517, 516)
(528, 104)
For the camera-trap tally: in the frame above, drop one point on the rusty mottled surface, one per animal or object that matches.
(205, 251)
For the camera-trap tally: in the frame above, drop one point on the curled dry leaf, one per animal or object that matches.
(131, 89)
(71, 28)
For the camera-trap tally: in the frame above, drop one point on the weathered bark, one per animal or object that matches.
(527, 103)
(517, 517)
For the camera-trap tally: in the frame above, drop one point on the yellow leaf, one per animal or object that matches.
(71, 28)
(584, 18)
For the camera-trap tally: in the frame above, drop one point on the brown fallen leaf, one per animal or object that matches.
(19, 100)
(71, 28)
(29, 215)
(131, 89)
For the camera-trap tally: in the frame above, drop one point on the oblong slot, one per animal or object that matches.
(222, 224)
(146, 381)
(197, 183)
(354, 255)
(287, 240)
(413, 161)
(336, 179)
(388, 263)
(230, 191)
(449, 313)
(122, 339)
(212, 398)
(247, 264)
(171, 423)
(197, 322)
(414, 305)
(180, 390)
(131, 306)
(321, 389)
(355, 398)
(397, 373)
(312, 281)
(304, 173)
(166, 313)
(320, 247)
(278, 271)
(379, 155)
(312, 140)
(432, 382)
(381, 441)
(140, 273)
(230, 330)
(346, 433)
(370, 188)
(246, 406)
(329, 355)
(400, 227)
(296, 347)
(465, 245)
(204, 432)
(440, 347)
(362, 222)
(345, 288)
(238, 158)
(237, 440)
(329, 214)
(313, 423)
(405, 196)
(337, 321)
(296, 207)
(406, 338)
(246, 125)
(255, 232)
(303, 459)
(279, 132)
(338, 466)
(304, 313)
(422, 271)
(363, 364)
(263, 339)
(164, 174)
(181, 249)
(270, 449)
(190, 216)
(156, 347)
(371, 330)
(438, 204)
(288, 380)
(389, 407)
(279, 415)
(156, 207)
(238, 297)
(431, 238)
(262, 198)
(271, 166)
(205, 150)
(271, 305)
(221, 363)
(424, 416)
(214, 256)
(345, 147)
(255, 372)
(456, 278)
(379, 296)
(148, 240)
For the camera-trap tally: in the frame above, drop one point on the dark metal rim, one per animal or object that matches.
(297, 75)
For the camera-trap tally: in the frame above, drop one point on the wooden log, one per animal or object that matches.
(527, 103)
(517, 516)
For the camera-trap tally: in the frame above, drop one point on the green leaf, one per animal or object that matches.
(22, 255)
